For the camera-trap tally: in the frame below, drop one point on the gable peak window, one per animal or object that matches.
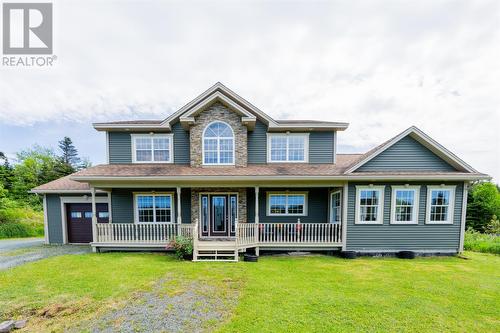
(152, 148)
(218, 144)
(287, 147)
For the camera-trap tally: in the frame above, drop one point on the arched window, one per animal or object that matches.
(218, 144)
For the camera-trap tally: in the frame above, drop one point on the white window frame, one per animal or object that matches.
(416, 201)
(136, 208)
(380, 211)
(286, 193)
(451, 204)
(288, 135)
(151, 137)
(332, 193)
(218, 144)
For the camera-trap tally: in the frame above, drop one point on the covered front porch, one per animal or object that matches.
(223, 221)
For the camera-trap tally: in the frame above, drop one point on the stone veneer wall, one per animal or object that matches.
(242, 201)
(217, 111)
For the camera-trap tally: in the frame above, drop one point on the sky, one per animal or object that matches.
(382, 66)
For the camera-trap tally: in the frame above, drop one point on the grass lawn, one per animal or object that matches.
(277, 294)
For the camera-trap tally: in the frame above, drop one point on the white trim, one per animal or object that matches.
(154, 194)
(380, 210)
(451, 204)
(252, 178)
(218, 144)
(345, 193)
(416, 205)
(427, 142)
(45, 220)
(463, 217)
(110, 217)
(286, 193)
(179, 216)
(287, 135)
(82, 199)
(330, 210)
(257, 218)
(107, 147)
(152, 136)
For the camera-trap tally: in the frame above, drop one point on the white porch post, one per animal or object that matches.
(344, 215)
(463, 217)
(179, 217)
(110, 216)
(257, 220)
(94, 218)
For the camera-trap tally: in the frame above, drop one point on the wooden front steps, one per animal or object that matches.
(212, 250)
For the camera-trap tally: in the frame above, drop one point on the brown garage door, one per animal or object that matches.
(79, 219)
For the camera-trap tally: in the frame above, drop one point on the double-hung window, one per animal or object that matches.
(440, 203)
(404, 208)
(288, 147)
(369, 204)
(152, 208)
(286, 204)
(335, 207)
(152, 148)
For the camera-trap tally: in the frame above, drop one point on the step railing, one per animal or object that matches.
(141, 232)
(246, 234)
(300, 233)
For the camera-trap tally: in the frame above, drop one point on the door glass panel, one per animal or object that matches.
(204, 213)
(219, 213)
(234, 213)
(336, 208)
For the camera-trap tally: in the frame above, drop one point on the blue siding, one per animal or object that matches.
(257, 144)
(122, 204)
(181, 144)
(120, 147)
(54, 219)
(317, 211)
(404, 237)
(321, 147)
(406, 155)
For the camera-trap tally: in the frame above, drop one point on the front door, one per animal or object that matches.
(219, 214)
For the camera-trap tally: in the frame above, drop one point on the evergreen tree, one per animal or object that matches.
(69, 153)
(6, 172)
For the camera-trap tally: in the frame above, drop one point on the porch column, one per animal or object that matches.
(344, 215)
(94, 217)
(257, 227)
(179, 217)
(256, 204)
(110, 215)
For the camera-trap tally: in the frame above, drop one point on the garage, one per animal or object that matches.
(79, 220)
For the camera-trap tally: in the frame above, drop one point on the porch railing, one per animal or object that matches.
(247, 234)
(300, 233)
(141, 233)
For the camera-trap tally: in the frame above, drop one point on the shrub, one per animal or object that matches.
(183, 246)
(478, 242)
(18, 230)
(493, 227)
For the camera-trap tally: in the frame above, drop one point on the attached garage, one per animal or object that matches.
(79, 220)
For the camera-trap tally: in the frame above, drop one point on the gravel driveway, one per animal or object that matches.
(15, 252)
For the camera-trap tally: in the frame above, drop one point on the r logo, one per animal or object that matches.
(27, 28)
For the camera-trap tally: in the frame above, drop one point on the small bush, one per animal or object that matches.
(17, 222)
(18, 230)
(493, 227)
(478, 242)
(183, 246)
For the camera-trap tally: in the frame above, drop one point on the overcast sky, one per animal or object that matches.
(382, 66)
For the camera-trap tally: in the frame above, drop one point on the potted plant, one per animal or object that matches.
(183, 247)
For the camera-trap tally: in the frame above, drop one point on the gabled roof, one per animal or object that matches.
(220, 93)
(423, 139)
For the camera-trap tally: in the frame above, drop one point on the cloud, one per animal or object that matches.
(382, 66)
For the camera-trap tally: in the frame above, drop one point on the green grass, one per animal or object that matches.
(277, 294)
(478, 242)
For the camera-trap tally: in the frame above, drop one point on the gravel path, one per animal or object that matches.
(193, 307)
(22, 255)
(18, 243)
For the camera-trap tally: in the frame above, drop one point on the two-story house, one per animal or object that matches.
(227, 174)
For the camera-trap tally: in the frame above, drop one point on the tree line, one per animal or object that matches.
(36, 166)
